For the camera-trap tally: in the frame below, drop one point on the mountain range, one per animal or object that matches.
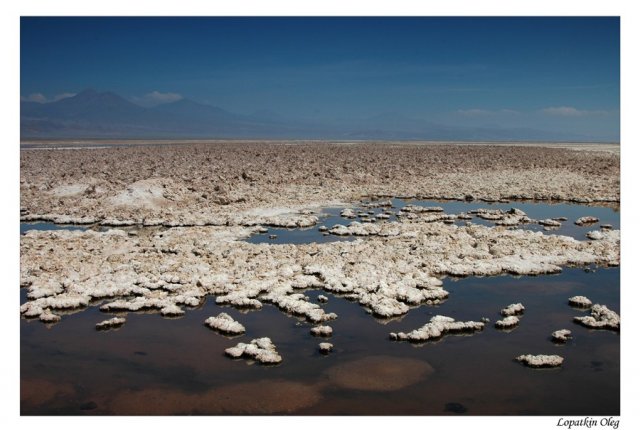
(94, 114)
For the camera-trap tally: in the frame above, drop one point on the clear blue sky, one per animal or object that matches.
(548, 73)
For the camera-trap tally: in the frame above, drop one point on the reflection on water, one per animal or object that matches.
(45, 226)
(154, 365)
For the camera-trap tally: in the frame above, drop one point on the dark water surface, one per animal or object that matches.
(156, 365)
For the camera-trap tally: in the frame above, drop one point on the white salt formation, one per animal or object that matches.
(507, 322)
(585, 220)
(176, 269)
(595, 235)
(323, 299)
(437, 327)
(550, 223)
(224, 323)
(111, 323)
(49, 317)
(325, 347)
(580, 301)
(561, 336)
(261, 350)
(348, 213)
(513, 309)
(540, 360)
(322, 330)
(601, 317)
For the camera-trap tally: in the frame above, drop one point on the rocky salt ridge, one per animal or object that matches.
(437, 327)
(580, 301)
(513, 309)
(325, 347)
(538, 361)
(114, 322)
(601, 318)
(586, 220)
(224, 323)
(322, 330)
(561, 336)
(261, 350)
(174, 270)
(507, 322)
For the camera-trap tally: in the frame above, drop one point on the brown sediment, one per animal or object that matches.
(379, 373)
(259, 397)
(38, 392)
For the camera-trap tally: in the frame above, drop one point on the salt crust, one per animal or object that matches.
(601, 318)
(580, 301)
(325, 347)
(508, 322)
(261, 350)
(111, 323)
(513, 309)
(224, 323)
(561, 336)
(177, 269)
(437, 327)
(538, 361)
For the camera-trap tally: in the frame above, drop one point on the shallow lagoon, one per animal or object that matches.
(535, 210)
(177, 366)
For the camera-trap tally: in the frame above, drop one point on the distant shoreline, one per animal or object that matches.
(99, 143)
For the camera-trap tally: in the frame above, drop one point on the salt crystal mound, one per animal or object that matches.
(513, 309)
(111, 323)
(261, 350)
(580, 301)
(325, 347)
(323, 299)
(586, 220)
(550, 223)
(173, 271)
(601, 318)
(437, 327)
(224, 323)
(348, 213)
(510, 218)
(322, 330)
(561, 336)
(538, 361)
(49, 317)
(595, 235)
(507, 322)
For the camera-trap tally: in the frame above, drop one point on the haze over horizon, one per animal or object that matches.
(407, 78)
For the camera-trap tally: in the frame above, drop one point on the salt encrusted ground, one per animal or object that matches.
(235, 183)
(223, 192)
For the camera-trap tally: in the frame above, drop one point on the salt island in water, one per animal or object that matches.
(339, 268)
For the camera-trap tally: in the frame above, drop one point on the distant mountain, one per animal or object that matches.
(94, 114)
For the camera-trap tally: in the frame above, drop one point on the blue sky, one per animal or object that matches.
(560, 74)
